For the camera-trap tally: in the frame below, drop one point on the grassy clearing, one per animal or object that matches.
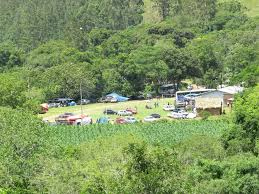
(96, 110)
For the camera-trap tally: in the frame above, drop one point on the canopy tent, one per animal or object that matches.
(118, 97)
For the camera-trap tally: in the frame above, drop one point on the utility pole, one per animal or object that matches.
(81, 97)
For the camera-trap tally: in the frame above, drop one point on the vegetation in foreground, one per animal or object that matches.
(188, 157)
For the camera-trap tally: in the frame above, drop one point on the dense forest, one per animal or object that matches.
(50, 48)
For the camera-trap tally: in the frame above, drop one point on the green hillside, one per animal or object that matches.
(151, 14)
(251, 5)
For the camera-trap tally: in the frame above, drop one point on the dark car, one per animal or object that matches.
(157, 116)
(110, 112)
(177, 110)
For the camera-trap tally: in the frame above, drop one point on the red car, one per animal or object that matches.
(121, 120)
(62, 119)
(134, 111)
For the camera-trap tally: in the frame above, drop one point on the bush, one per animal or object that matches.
(244, 134)
(205, 115)
(23, 138)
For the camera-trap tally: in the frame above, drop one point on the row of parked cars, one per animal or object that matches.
(125, 116)
(127, 112)
(72, 119)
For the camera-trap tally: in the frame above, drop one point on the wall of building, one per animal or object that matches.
(212, 111)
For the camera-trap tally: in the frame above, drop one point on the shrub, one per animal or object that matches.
(205, 115)
(23, 138)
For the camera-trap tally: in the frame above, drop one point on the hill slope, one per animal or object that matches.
(151, 15)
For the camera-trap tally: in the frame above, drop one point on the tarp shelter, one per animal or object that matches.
(118, 97)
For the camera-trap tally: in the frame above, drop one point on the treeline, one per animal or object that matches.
(104, 48)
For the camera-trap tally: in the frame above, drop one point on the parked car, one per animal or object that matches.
(168, 107)
(191, 116)
(84, 101)
(124, 113)
(131, 120)
(54, 105)
(150, 119)
(121, 120)
(71, 103)
(113, 100)
(134, 111)
(109, 99)
(62, 119)
(110, 112)
(177, 110)
(79, 120)
(157, 116)
(178, 115)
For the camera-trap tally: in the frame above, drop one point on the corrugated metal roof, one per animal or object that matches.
(232, 89)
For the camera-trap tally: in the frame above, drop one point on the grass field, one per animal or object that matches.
(96, 110)
(163, 133)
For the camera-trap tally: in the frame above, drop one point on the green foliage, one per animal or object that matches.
(66, 80)
(205, 115)
(243, 136)
(30, 23)
(10, 56)
(237, 174)
(164, 133)
(23, 138)
(55, 53)
(152, 172)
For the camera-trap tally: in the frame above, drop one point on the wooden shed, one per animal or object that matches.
(211, 102)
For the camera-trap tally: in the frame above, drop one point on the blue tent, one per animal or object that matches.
(118, 97)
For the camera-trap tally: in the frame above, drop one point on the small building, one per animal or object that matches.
(211, 102)
(168, 90)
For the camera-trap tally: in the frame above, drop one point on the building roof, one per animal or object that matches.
(232, 89)
(194, 91)
(211, 94)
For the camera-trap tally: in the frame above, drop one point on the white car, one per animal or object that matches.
(84, 121)
(191, 116)
(131, 120)
(114, 100)
(178, 115)
(124, 113)
(150, 119)
(168, 107)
